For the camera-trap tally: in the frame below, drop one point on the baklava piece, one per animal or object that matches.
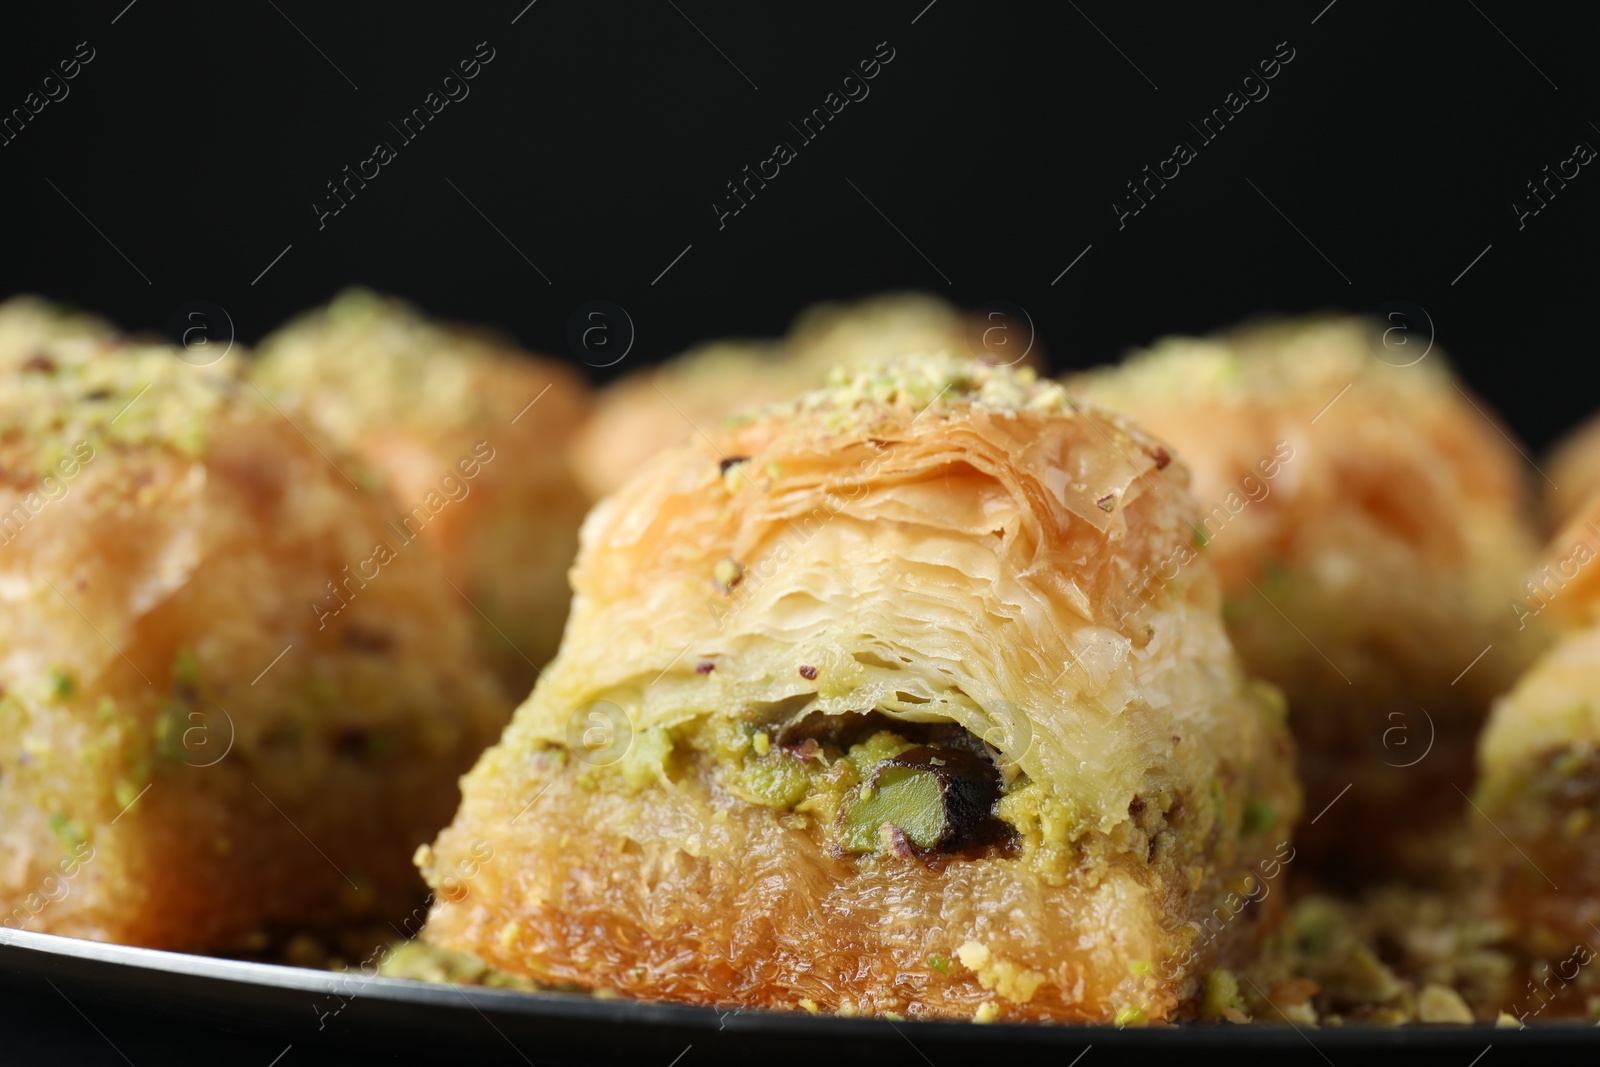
(471, 436)
(1573, 468)
(1369, 523)
(1537, 823)
(857, 713)
(231, 700)
(35, 331)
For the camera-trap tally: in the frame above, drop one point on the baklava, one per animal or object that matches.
(1369, 523)
(857, 713)
(32, 328)
(1537, 821)
(232, 701)
(1572, 474)
(471, 437)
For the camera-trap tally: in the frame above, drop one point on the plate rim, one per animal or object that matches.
(585, 1008)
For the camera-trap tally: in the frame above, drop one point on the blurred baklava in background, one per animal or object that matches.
(1573, 475)
(471, 436)
(650, 410)
(231, 699)
(860, 710)
(1537, 819)
(1369, 523)
(32, 328)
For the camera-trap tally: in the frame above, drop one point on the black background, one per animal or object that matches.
(996, 140)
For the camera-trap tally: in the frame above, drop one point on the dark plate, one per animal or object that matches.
(116, 1004)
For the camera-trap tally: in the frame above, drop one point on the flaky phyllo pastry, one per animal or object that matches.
(860, 709)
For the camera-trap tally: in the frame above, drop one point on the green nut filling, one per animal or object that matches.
(1259, 817)
(910, 799)
(777, 780)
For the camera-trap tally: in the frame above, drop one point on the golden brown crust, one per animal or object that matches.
(471, 436)
(179, 715)
(944, 543)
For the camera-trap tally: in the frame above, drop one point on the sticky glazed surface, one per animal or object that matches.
(948, 548)
(177, 727)
(471, 437)
(1370, 527)
(645, 413)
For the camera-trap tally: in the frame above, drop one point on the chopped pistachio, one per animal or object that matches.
(59, 685)
(186, 667)
(1221, 999)
(937, 797)
(777, 780)
(1441, 1004)
(1259, 817)
(881, 746)
(727, 574)
(126, 792)
(646, 758)
(910, 800)
(69, 830)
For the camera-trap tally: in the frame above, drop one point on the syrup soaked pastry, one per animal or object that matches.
(1370, 526)
(652, 410)
(472, 437)
(856, 713)
(192, 752)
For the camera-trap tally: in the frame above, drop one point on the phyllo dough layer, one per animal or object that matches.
(1369, 523)
(472, 437)
(194, 751)
(858, 710)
